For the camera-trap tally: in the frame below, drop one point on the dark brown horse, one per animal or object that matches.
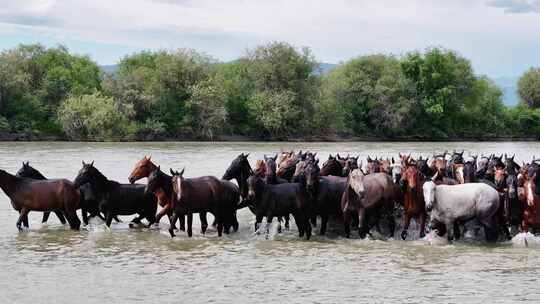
(332, 166)
(325, 194)
(163, 194)
(373, 165)
(55, 195)
(369, 197)
(414, 204)
(280, 200)
(531, 214)
(204, 194)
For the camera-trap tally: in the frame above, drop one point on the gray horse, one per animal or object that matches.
(464, 202)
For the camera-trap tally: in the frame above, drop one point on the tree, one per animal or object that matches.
(529, 87)
(275, 112)
(93, 117)
(443, 80)
(285, 75)
(207, 107)
(373, 96)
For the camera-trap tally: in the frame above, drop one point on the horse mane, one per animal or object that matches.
(260, 168)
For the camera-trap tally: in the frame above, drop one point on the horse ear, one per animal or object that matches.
(171, 170)
(159, 167)
(275, 157)
(149, 157)
(317, 161)
(246, 156)
(83, 163)
(461, 154)
(368, 159)
(182, 172)
(92, 164)
(329, 156)
(393, 161)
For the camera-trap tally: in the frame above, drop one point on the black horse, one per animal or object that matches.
(332, 166)
(118, 199)
(280, 200)
(325, 193)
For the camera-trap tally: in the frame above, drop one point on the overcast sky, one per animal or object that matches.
(501, 37)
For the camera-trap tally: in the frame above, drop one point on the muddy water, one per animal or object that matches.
(51, 264)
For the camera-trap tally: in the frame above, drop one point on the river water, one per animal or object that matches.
(51, 264)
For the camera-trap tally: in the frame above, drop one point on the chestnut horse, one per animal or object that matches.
(163, 194)
(204, 194)
(286, 165)
(531, 214)
(415, 207)
(56, 195)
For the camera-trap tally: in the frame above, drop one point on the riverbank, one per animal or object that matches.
(6, 137)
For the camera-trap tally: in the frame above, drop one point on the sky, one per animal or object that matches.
(500, 37)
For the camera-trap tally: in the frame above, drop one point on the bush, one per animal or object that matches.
(93, 117)
(529, 87)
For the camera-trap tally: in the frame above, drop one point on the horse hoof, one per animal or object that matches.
(404, 235)
(171, 232)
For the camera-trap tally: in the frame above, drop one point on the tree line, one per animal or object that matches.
(274, 91)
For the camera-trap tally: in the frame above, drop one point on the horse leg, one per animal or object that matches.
(170, 217)
(25, 221)
(204, 222)
(269, 219)
(406, 223)
(182, 224)
(258, 221)
(307, 224)
(174, 218)
(300, 224)
(423, 217)
(116, 219)
(60, 216)
(457, 231)
(235, 223)
(391, 224)
(324, 222)
(24, 212)
(347, 224)
(287, 222)
(190, 224)
(45, 216)
(73, 220)
(84, 214)
(108, 219)
(361, 223)
(450, 230)
(313, 220)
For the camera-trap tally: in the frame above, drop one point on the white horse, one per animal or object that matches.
(461, 203)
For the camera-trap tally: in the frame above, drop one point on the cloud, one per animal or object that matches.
(335, 30)
(517, 6)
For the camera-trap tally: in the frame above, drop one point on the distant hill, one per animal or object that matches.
(327, 67)
(110, 69)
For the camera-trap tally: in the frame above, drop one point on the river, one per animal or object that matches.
(51, 264)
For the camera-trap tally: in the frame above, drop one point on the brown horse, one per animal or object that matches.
(531, 214)
(204, 194)
(260, 168)
(369, 197)
(41, 195)
(414, 204)
(163, 194)
(286, 165)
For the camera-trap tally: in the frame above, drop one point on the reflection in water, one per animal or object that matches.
(145, 265)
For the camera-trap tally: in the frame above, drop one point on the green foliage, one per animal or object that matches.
(93, 117)
(274, 91)
(207, 109)
(529, 87)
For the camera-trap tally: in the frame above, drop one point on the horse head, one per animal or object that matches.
(236, 167)
(142, 169)
(87, 174)
(178, 183)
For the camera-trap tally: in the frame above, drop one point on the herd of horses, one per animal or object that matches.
(442, 192)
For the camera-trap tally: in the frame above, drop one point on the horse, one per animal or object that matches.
(26, 194)
(460, 203)
(332, 167)
(531, 214)
(414, 205)
(205, 194)
(325, 193)
(87, 201)
(287, 165)
(373, 165)
(280, 200)
(422, 165)
(28, 171)
(115, 198)
(469, 171)
(351, 163)
(482, 166)
(271, 176)
(260, 168)
(507, 184)
(240, 170)
(366, 196)
(164, 195)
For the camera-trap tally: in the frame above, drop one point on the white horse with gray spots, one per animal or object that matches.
(449, 204)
